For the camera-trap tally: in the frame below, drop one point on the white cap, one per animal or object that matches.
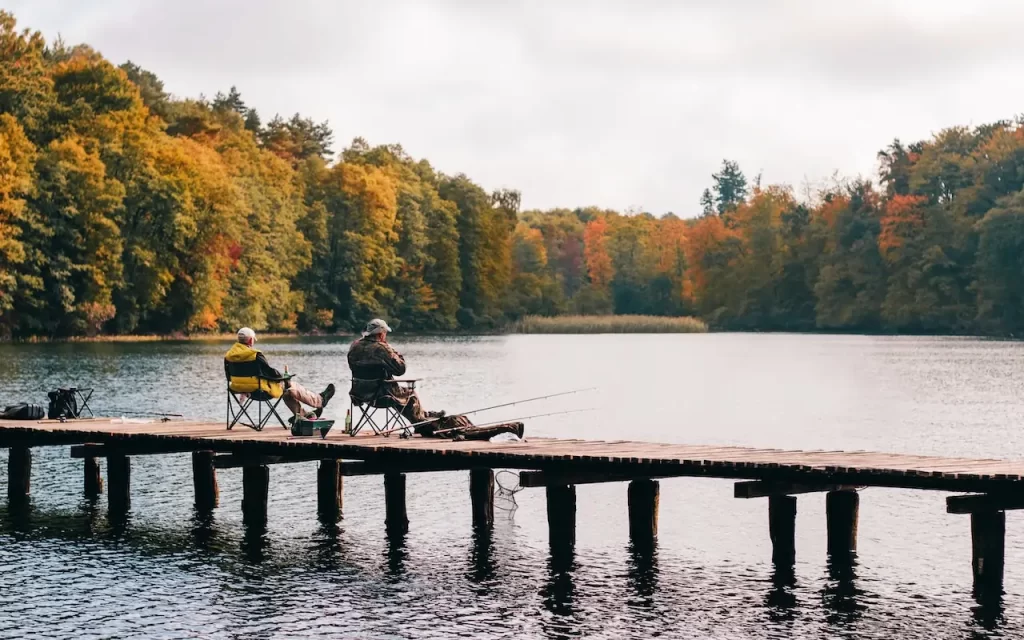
(245, 333)
(375, 326)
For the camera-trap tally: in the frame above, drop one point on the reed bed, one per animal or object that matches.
(609, 324)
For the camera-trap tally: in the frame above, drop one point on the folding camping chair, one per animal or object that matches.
(381, 401)
(243, 402)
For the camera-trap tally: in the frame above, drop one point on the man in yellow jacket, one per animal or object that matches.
(245, 365)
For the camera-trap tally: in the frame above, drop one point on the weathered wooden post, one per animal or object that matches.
(255, 490)
(782, 528)
(841, 511)
(119, 480)
(329, 490)
(988, 530)
(396, 520)
(19, 476)
(561, 515)
(481, 494)
(204, 481)
(93, 480)
(643, 497)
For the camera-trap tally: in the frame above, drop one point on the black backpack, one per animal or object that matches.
(63, 404)
(22, 411)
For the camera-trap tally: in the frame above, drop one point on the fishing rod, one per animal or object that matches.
(497, 406)
(144, 413)
(494, 424)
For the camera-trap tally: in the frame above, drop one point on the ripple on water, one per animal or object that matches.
(69, 571)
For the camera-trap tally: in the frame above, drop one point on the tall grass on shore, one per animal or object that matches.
(609, 324)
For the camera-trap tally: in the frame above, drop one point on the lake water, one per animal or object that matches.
(68, 571)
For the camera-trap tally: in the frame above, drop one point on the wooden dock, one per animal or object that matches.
(558, 465)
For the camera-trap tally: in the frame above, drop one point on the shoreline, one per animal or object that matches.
(221, 337)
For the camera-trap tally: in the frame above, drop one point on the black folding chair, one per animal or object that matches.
(240, 403)
(384, 401)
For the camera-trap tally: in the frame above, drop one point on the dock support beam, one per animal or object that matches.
(255, 489)
(782, 528)
(19, 475)
(92, 479)
(561, 516)
(119, 481)
(841, 511)
(481, 494)
(643, 497)
(329, 490)
(204, 481)
(988, 529)
(396, 520)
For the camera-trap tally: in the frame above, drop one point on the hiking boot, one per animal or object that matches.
(325, 397)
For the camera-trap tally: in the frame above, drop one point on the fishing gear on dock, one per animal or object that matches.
(510, 421)
(421, 423)
(143, 413)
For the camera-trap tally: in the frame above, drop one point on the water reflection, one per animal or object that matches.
(642, 577)
(559, 593)
(481, 559)
(327, 546)
(395, 554)
(255, 544)
(842, 598)
(988, 615)
(781, 600)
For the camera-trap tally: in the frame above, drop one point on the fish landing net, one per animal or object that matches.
(507, 486)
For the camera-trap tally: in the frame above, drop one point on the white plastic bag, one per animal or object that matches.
(505, 437)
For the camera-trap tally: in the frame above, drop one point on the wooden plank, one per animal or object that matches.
(762, 489)
(539, 479)
(984, 502)
(595, 460)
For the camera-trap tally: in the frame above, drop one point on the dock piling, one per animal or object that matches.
(119, 475)
(255, 491)
(481, 493)
(561, 515)
(988, 530)
(782, 528)
(92, 479)
(643, 497)
(841, 512)
(329, 490)
(204, 481)
(19, 475)
(396, 520)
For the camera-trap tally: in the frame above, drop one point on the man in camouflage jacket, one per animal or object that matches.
(374, 363)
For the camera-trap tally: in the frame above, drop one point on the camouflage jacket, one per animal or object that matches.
(371, 363)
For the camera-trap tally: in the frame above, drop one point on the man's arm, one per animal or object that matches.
(266, 370)
(391, 359)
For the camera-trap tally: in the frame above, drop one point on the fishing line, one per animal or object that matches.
(497, 406)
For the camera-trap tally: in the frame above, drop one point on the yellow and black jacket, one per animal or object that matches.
(244, 365)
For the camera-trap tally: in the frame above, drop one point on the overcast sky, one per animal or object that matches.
(615, 104)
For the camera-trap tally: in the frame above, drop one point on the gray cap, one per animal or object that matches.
(245, 333)
(375, 326)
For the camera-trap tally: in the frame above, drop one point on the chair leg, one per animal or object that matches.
(273, 410)
(245, 412)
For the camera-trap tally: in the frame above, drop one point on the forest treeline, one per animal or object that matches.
(126, 210)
